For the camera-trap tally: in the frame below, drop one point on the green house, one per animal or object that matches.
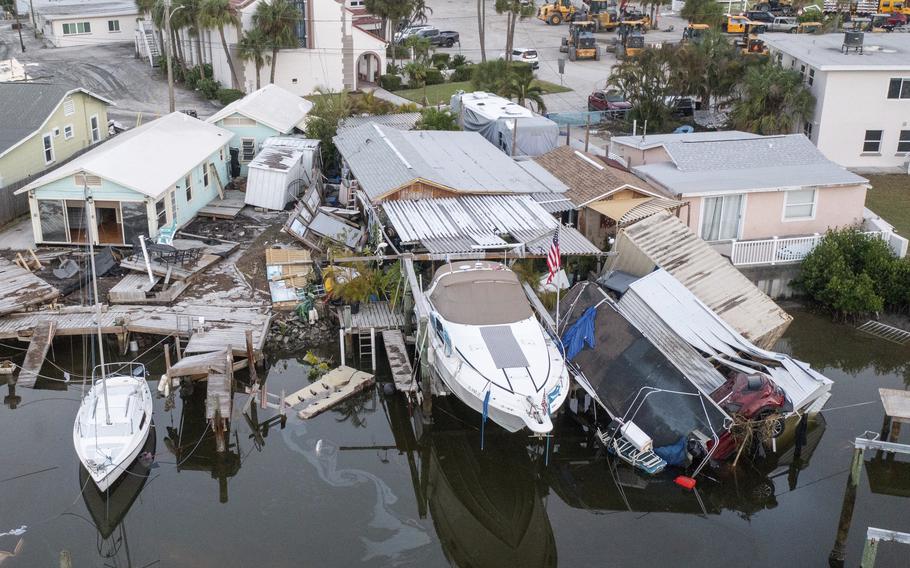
(42, 126)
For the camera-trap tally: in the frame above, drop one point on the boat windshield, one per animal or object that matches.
(481, 297)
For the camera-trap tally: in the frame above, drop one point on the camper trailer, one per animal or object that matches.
(514, 129)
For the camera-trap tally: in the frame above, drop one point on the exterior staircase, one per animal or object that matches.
(147, 42)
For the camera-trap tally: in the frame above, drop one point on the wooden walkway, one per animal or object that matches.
(210, 255)
(42, 338)
(224, 208)
(376, 315)
(20, 289)
(337, 385)
(135, 288)
(402, 372)
(221, 326)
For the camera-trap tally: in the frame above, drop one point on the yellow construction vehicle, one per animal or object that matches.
(580, 43)
(694, 32)
(750, 43)
(809, 27)
(557, 12)
(604, 15)
(631, 42)
(638, 21)
(736, 24)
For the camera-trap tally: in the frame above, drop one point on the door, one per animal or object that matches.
(722, 217)
(109, 223)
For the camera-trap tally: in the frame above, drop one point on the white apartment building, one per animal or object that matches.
(82, 23)
(334, 51)
(862, 112)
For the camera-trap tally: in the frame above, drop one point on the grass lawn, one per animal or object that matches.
(441, 94)
(890, 198)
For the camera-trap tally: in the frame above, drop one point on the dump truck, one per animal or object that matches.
(580, 43)
(557, 12)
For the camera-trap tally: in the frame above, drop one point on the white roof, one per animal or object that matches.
(271, 106)
(70, 10)
(149, 159)
(881, 52)
(492, 106)
(647, 141)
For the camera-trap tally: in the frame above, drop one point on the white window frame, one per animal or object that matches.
(95, 127)
(188, 182)
(205, 175)
(878, 150)
(47, 145)
(56, 131)
(808, 127)
(810, 76)
(113, 31)
(742, 214)
(787, 195)
(243, 158)
(900, 152)
(904, 90)
(68, 132)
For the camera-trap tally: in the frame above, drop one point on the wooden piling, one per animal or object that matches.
(587, 130)
(251, 357)
(837, 556)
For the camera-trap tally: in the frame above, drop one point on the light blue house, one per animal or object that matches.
(270, 111)
(151, 177)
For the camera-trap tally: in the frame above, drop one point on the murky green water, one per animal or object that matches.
(354, 487)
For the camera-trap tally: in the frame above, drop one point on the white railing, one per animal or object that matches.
(779, 251)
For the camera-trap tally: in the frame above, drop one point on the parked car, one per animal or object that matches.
(408, 32)
(436, 37)
(752, 397)
(444, 39)
(525, 55)
(784, 24)
(611, 102)
(760, 16)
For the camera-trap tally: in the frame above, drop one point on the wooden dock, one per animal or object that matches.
(170, 272)
(42, 337)
(135, 288)
(402, 372)
(227, 207)
(20, 289)
(377, 316)
(337, 385)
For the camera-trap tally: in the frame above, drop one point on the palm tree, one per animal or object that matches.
(513, 9)
(419, 12)
(219, 14)
(708, 69)
(522, 88)
(155, 8)
(417, 72)
(252, 47)
(277, 19)
(190, 14)
(773, 100)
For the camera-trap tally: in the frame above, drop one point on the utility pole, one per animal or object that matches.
(31, 8)
(18, 24)
(170, 47)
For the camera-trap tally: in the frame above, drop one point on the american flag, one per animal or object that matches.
(553, 262)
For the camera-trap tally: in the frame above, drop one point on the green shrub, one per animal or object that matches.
(191, 78)
(435, 76)
(227, 96)
(397, 51)
(207, 71)
(390, 82)
(462, 73)
(440, 60)
(392, 69)
(208, 87)
(458, 60)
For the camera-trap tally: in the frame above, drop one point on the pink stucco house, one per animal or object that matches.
(742, 186)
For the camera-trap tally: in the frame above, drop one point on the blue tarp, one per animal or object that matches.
(674, 454)
(581, 332)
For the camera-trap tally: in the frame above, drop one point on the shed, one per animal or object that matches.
(281, 171)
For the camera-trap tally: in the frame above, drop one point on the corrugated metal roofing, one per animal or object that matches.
(653, 140)
(672, 314)
(400, 120)
(474, 224)
(270, 105)
(384, 159)
(669, 244)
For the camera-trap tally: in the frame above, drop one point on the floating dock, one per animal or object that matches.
(20, 289)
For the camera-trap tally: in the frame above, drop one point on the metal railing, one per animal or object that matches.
(779, 251)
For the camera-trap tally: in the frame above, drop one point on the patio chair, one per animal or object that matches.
(166, 234)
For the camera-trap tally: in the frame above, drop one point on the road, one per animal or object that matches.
(581, 76)
(109, 70)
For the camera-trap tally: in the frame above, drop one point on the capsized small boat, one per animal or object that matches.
(486, 345)
(111, 427)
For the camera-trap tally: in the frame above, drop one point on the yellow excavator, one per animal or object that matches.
(557, 12)
(604, 15)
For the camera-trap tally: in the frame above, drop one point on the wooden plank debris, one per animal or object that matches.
(287, 271)
(211, 254)
(337, 385)
(224, 208)
(402, 372)
(201, 364)
(20, 289)
(135, 288)
(42, 337)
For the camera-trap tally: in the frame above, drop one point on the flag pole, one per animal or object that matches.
(558, 288)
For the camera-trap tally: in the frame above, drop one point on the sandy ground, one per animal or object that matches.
(581, 76)
(111, 70)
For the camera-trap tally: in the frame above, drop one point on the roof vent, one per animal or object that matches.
(853, 41)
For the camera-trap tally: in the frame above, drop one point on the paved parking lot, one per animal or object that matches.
(581, 76)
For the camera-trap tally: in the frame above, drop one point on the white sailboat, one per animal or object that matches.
(115, 417)
(486, 345)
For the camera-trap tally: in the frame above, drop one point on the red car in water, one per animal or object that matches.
(752, 397)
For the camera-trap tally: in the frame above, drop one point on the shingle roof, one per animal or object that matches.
(749, 164)
(384, 159)
(24, 107)
(148, 159)
(588, 177)
(271, 106)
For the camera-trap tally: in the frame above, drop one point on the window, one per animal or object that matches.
(300, 25)
(721, 217)
(188, 184)
(811, 77)
(221, 154)
(205, 175)
(69, 107)
(247, 149)
(899, 89)
(873, 141)
(807, 130)
(113, 26)
(799, 204)
(56, 131)
(903, 143)
(96, 132)
(48, 148)
(68, 131)
(161, 213)
(77, 28)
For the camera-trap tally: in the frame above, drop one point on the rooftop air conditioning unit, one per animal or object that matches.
(854, 41)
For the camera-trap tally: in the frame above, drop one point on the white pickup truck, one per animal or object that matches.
(783, 24)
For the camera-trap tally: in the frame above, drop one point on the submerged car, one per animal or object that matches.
(752, 397)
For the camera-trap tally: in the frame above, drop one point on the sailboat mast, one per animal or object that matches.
(91, 255)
